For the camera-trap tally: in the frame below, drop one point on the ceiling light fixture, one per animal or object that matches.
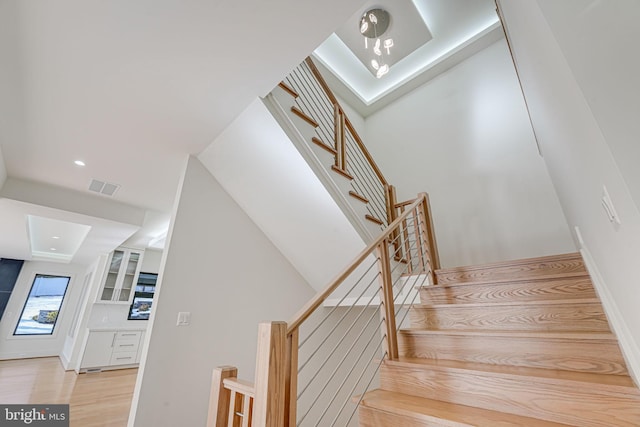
(79, 163)
(373, 25)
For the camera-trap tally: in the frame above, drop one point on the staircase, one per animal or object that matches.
(521, 343)
(310, 114)
(517, 343)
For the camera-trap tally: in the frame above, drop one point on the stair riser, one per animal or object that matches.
(370, 417)
(543, 290)
(591, 356)
(554, 317)
(562, 402)
(523, 269)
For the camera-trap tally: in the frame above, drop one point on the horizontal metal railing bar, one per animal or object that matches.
(339, 322)
(357, 382)
(340, 342)
(346, 377)
(315, 302)
(343, 299)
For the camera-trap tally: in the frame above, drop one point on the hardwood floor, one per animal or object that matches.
(98, 399)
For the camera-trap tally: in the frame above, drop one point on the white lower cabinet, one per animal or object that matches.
(112, 349)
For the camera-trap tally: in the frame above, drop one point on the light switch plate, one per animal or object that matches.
(607, 204)
(184, 318)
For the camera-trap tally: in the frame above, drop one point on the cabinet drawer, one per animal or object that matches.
(125, 346)
(122, 336)
(123, 358)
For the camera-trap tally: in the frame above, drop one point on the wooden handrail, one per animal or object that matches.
(269, 406)
(220, 398)
(321, 80)
(405, 203)
(315, 302)
(430, 232)
(349, 125)
(239, 386)
(364, 150)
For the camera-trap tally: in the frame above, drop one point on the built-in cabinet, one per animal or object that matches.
(112, 349)
(121, 276)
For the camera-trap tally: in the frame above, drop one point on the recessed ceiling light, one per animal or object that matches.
(79, 163)
(55, 237)
(53, 249)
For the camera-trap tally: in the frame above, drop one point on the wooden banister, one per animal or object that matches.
(321, 80)
(315, 302)
(220, 398)
(386, 297)
(240, 386)
(272, 402)
(345, 122)
(269, 406)
(430, 233)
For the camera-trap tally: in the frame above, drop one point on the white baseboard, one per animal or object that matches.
(65, 362)
(629, 347)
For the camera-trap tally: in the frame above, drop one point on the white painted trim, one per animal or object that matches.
(64, 361)
(316, 165)
(628, 345)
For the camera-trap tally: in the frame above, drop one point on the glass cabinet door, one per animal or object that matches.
(112, 276)
(129, 275)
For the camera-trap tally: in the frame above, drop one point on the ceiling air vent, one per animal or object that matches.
(102, 187)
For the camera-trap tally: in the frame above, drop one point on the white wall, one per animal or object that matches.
(46, 345)
(3, 170)
(151, 261)
(599, 41)
(261, 169)
(577, 149)
(465, 138)
(220, 267)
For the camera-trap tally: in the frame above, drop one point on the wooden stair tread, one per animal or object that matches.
(527, 315)
(341, 172)
(569, 288)
(488, 305)
(324, 146)
(563, 335)
(578, 401)
(373, 219)
(298, 112)
(428, 410)
(539, 278)
(522, 268)
(618, 383)
(522, 261)
(358, 196)
(288, 89)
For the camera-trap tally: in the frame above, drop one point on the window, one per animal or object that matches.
(143, 297)
(40, 312)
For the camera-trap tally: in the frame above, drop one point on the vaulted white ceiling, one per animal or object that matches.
(132, 88)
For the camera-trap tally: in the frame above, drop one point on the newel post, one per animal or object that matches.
(270, 392)
(386, 297)
(220, 398)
